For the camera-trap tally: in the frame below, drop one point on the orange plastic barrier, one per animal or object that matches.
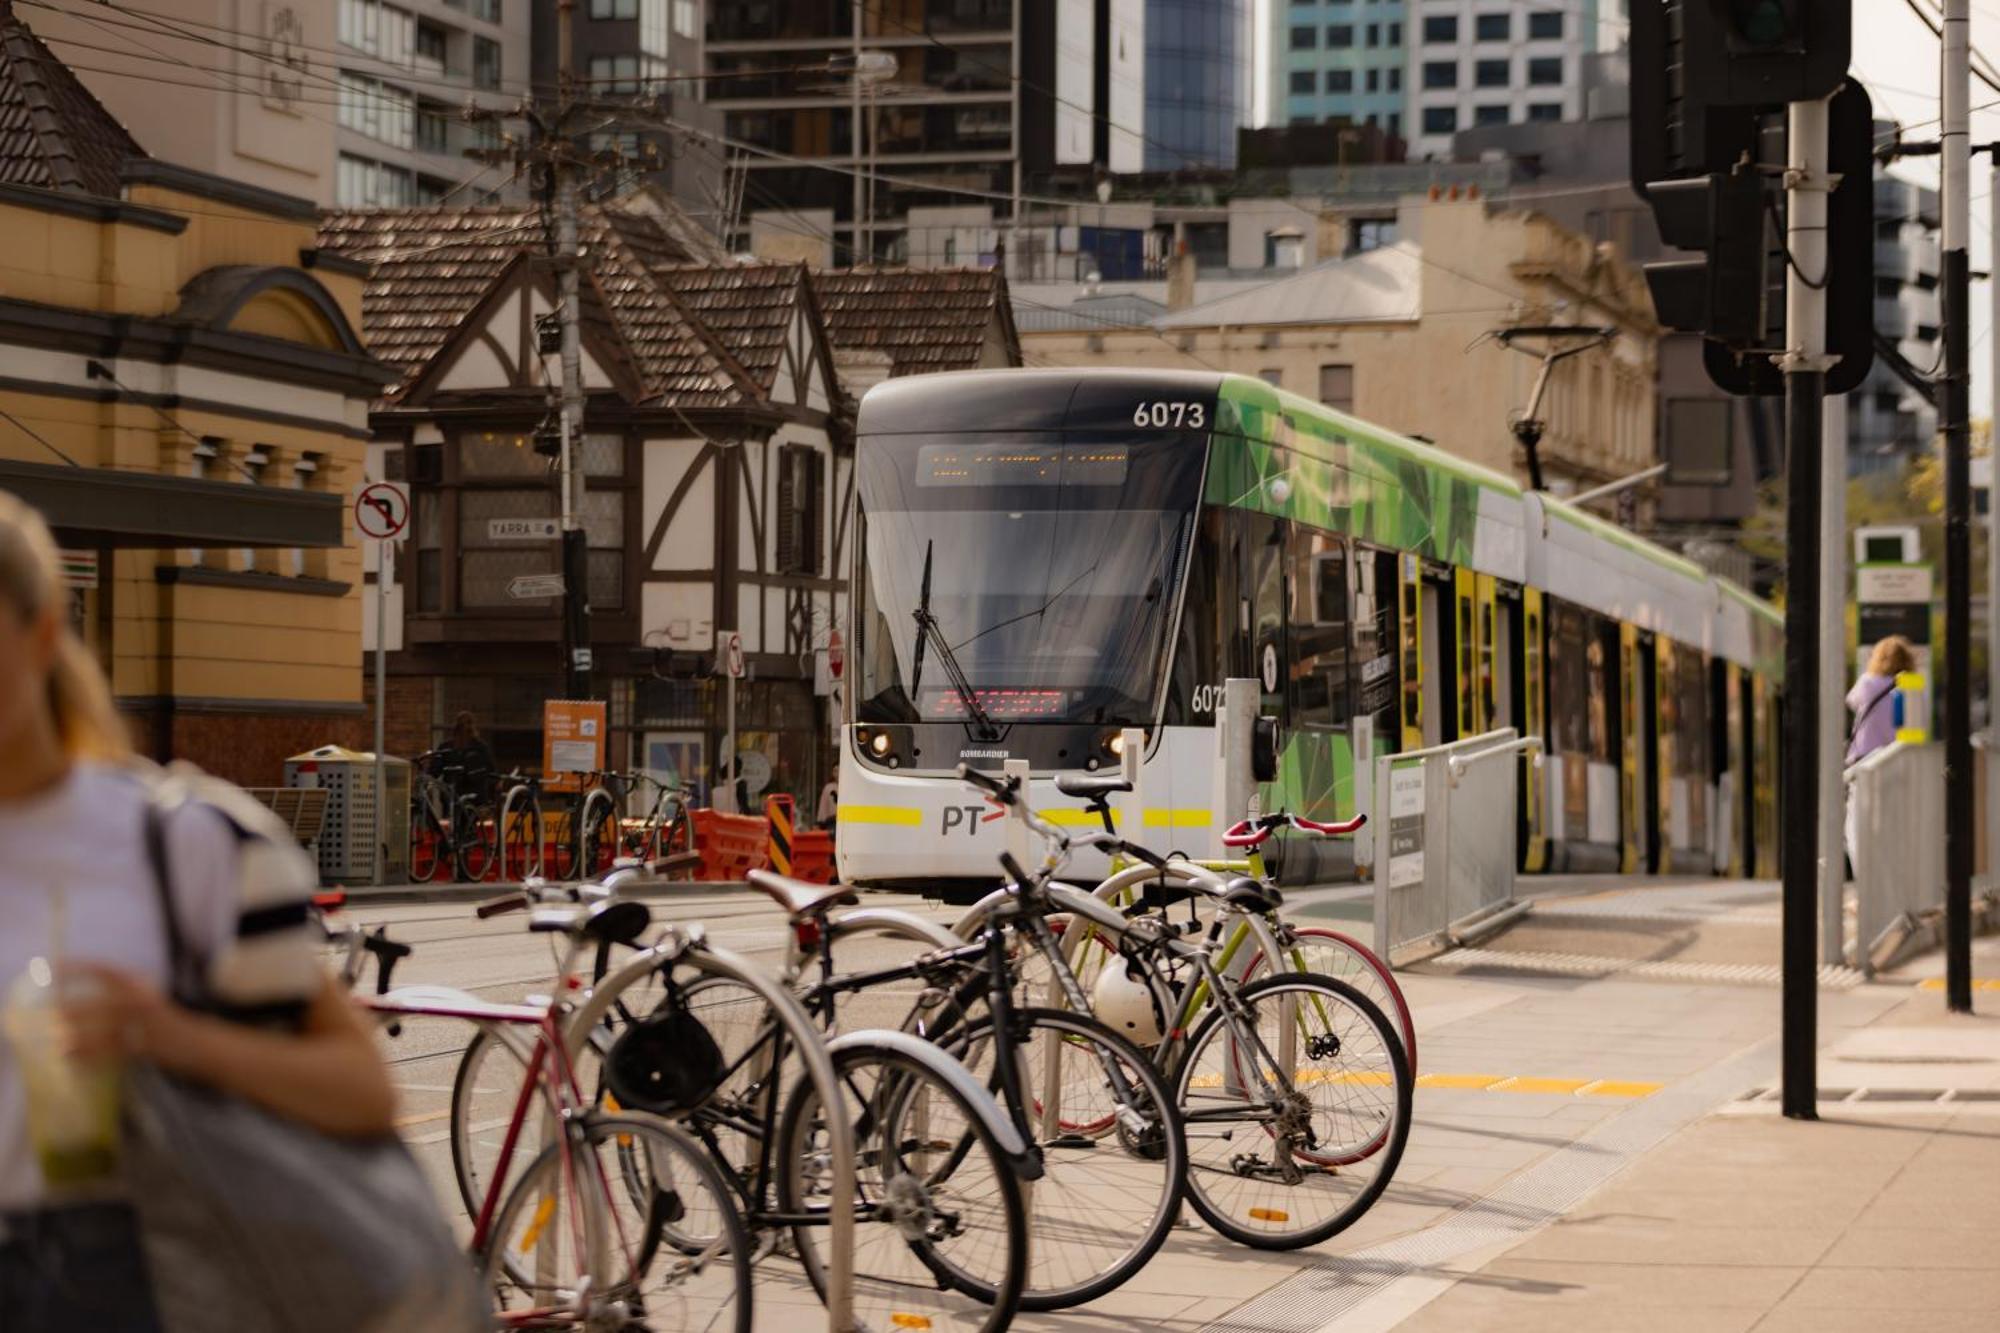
(730, 845)
(812, 856)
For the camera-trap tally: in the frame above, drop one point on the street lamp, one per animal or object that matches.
(864, 71)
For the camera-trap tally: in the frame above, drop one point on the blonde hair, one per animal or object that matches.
(31, 586)
(1892, 656)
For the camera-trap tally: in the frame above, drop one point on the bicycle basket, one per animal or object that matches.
(665, 1062)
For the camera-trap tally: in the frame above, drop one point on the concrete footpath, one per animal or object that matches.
(1882, 1215)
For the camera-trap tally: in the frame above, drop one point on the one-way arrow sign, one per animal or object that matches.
(529, 586)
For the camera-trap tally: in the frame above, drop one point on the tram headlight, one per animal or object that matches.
(1115, 743)
(880, 743)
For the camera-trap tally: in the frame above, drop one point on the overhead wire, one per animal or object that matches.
(36, 436)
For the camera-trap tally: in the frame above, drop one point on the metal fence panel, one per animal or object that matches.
(1445, 838)
(1895, 840)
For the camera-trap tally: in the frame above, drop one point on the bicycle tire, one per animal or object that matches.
(1347, 1016)
(1364, 970)
(563, 831)
(895, 1273)
(470, 1129)
(594, 850)
(520, 834)
(426, 847)
(711, 1301)
(1082, 1179)
(470, 840)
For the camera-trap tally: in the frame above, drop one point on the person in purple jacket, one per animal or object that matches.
(1874, 711)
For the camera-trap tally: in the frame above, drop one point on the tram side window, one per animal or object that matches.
(1574, 708)
(1319, 629)
(1375, 641)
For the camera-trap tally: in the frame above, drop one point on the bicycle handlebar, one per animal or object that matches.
(506, 902)
(1255, 832)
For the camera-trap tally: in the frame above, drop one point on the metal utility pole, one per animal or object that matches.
(1804, 364)
(575, 542)
(1833, 682)
(1993, 568)
(1955, 290)
(861, 183)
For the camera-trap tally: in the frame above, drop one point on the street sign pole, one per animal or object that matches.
(1804, 366)
(1833, 683)
(1954, 288)
(381, 512)
(384, 558)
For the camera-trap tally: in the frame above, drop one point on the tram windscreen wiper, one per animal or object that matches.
(928, 631)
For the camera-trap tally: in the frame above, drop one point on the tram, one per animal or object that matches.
(1048, 557)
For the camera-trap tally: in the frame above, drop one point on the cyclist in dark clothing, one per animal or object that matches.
(467, 750)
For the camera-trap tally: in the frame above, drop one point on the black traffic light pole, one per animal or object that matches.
(1804, 363)
(1955, 289)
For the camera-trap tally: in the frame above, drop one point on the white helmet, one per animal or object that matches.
(1124, 1003)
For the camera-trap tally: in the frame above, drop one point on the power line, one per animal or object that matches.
(37, 437)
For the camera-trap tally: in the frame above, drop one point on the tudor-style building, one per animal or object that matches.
(717, 448)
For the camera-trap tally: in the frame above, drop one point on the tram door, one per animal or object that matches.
(1440, 651)
(1654, 762)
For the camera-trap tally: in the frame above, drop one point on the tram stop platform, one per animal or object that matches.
(1598, 1143)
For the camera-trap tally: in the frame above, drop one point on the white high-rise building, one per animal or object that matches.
(1473, 63)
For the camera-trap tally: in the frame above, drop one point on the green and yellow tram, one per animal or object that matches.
(1045, 558)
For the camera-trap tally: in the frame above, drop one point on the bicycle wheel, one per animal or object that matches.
(597, 834)
(1328, 953)
(562, 830)
(575, 1243)
(941, 1231)
(426, 846)
(484, 1092)
(1100, 1209)
(474, 838)
(675, 838)
(520, 835)
(1315, 1078)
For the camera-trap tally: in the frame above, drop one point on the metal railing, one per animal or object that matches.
(1445, 821)
(1895, 839)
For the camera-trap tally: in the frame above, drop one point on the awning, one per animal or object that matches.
(92, 507)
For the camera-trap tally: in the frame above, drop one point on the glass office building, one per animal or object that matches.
(1198, 89)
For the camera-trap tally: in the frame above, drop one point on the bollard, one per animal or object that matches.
(778, 811)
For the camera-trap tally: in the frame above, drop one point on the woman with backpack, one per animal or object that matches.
(92, 856)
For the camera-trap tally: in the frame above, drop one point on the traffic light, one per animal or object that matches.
(1710, 80)
(1722, 214)
(1850, 267)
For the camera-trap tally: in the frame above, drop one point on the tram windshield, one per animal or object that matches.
(1011, 582)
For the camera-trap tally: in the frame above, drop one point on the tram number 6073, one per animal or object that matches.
(1170, 416)
(1207, 698)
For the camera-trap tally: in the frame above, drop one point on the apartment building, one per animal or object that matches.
(1426, 69)
(406, 72)
(988, 98)
(1889, 421)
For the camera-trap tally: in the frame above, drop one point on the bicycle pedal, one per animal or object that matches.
(1071, 1142)
(668, 1206)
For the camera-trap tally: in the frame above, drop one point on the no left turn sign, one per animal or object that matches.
(382, 510)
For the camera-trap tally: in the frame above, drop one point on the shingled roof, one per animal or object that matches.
(430, 267)
(53, 133)
(925, 319)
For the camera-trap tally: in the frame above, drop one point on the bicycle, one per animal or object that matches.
(1303, 1063)
(572, 1243)
(1247, 955)
(448, 829)
(915, 1239)
(665, 834)
(519, 826)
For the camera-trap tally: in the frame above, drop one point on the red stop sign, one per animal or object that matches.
(836, 653)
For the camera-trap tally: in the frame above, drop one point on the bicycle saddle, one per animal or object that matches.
(1090, 786)
(613, 921)
(800, 897)
(1252, 896)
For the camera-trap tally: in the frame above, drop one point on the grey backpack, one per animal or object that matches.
(251, 1221)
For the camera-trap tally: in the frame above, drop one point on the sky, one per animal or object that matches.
(1896, 56)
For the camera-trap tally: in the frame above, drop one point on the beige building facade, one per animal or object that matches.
(184, 395)
(1407, 336)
